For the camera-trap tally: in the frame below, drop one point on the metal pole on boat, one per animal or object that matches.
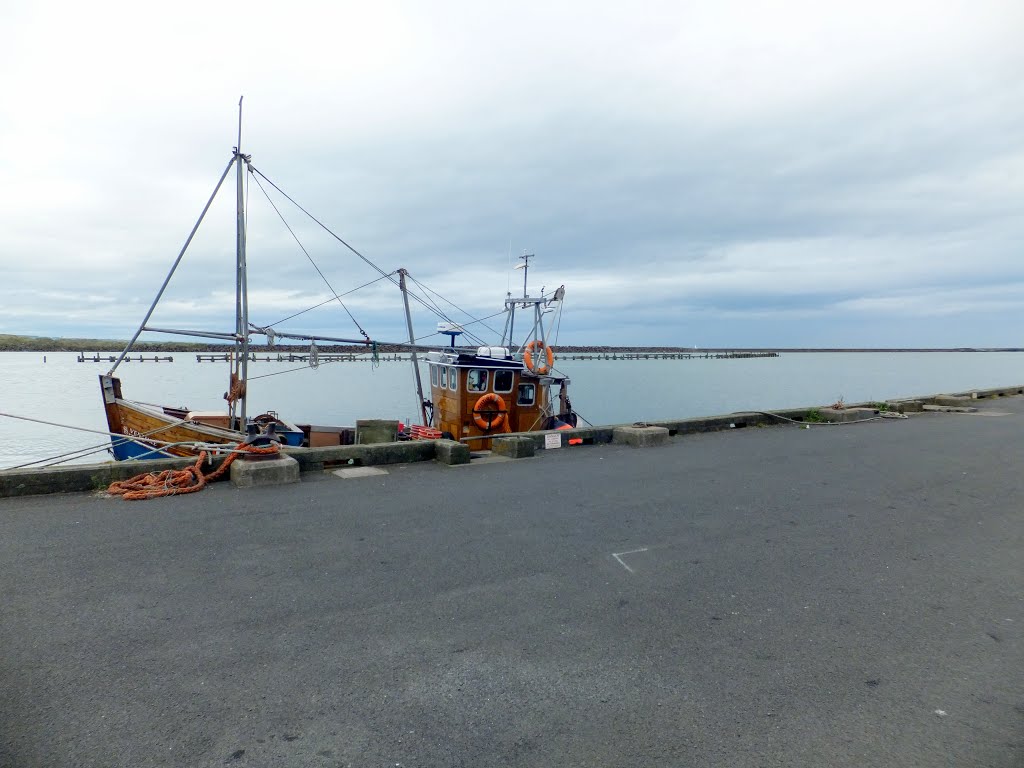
(241, 287)
(412, 340)
(510, 316)
(170, 274)
(525, 266)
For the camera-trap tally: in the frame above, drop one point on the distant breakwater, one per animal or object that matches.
(362, 356)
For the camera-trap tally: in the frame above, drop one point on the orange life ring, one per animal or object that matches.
(491, 406)
(541, 369)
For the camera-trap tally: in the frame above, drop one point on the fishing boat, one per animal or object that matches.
(144, 430)
(476, 392)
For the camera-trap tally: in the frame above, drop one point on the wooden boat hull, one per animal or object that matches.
(137, 422)
(168, 425)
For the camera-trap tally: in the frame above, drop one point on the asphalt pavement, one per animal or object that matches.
(834, 596)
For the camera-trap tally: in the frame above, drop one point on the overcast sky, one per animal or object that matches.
(728, 173)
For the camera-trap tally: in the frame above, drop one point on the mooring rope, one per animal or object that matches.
(158, 445)
(808, 424)
(173, 482)
(90, 449)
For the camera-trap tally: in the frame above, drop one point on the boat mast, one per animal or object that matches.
(241, 363)
(412, 341)
(525, 266)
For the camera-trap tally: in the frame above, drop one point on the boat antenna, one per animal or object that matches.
(525, 266)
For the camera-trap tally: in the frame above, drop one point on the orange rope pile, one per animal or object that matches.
(171, 482)
(236, 390)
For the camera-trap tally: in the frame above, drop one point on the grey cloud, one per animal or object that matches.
(672, 189)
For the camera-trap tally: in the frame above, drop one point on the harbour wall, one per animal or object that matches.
(81, 478)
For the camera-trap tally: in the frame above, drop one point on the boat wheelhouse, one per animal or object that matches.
(481, 395)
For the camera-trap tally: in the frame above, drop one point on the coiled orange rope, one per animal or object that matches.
(171, 482)
(236, 390)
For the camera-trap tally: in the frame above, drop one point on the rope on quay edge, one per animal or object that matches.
(809, 424)
(173, 482)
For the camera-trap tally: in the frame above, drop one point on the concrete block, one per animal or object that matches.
(513, 447)
(640, 437)
(376, 431)
(704, 424)
(319, 459)
(277, 471)
(907, 406)
(839, 415)
(451, 452)
(950, 409)
(955, 400)
(998, 392)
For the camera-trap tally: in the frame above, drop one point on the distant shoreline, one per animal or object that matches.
(10, 343)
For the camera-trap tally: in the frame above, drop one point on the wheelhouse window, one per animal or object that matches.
(453, 378)
(433, 375)
(527, 394)
(443, 377)
(503, 381)
(476, 380)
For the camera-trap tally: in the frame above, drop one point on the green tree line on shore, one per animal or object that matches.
(13, 343)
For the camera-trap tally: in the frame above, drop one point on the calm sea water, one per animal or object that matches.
(66, 392)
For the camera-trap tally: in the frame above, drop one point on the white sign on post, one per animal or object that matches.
(552, 441)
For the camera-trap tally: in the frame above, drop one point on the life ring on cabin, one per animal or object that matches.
(538, 345)
(492, 407)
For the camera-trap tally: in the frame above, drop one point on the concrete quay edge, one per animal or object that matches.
(83, 478)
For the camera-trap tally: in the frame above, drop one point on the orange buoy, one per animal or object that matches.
(538, 345)
(489, 412)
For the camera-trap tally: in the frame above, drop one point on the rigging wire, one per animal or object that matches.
(474, 322)
(320, 223)
(440, 313)
(436, 310)
(289, 370)
(468, 314)
(328, 301)
(315, 266)
(558, 328)
(320, 364)
(67, 456)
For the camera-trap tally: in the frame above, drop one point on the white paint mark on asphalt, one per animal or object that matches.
(940, 712)
(618, 556)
